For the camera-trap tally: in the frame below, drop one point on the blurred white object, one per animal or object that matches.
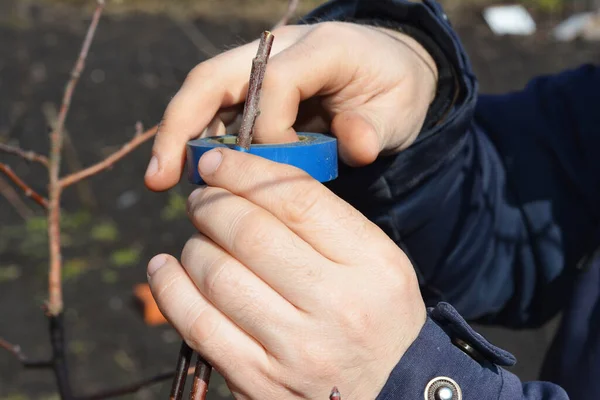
(509, 20)
(591, 31)
(572, 27)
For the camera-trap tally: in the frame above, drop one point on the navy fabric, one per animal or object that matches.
(433, 355)
(574, 358)
(496, 207)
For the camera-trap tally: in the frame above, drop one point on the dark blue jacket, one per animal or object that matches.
(498, 208)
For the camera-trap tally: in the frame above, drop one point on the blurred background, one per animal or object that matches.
(112, 225)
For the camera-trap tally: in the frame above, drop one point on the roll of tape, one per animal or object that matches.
(314, 153)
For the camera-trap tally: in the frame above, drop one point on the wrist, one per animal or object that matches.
(423, 60)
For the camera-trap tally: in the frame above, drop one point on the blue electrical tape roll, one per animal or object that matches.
(314, 153)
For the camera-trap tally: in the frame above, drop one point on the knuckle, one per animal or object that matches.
(285, 30)
(250, 232)
(217, 275)
(200, 72)
(328, 29)
(203, 326)
(191, 249)
(301, 205)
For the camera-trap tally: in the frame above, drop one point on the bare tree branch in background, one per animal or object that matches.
(289, 13)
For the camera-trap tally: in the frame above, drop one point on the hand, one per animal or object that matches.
(287, 290)
(370, 87)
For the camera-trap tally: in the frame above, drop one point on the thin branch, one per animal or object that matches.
(16, 351)
(28, 155)
(257, 74)
(27, 190)
(73, 161)
(110, 160)
(14, 199)
(335, 394)
(201, 379)
(289, 13)
(139, 128)
(55, 301)
(183, 365)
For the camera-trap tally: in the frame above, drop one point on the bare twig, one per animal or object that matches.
(27, 190)
(201, 379)
(180, 375)
(139, 128)
(257, 74)
(289, 13)
(14, 199)
(335, 394)
(26, 154)
(55, 302)
(110, 160)
(18, 353)
(84, 189)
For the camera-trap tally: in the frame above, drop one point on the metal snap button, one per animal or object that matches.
(442, 388)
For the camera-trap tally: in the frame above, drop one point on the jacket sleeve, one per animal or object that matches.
(449, 355)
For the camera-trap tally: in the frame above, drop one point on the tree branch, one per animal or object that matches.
(55, 301)
(289, 13)
(137, 140)
(28, 155)
(183, 365)
(14, 199)
(18, 353)
(257, 74)
(201, 379)
(27, 190)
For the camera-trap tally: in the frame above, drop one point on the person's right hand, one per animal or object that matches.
(370, 87)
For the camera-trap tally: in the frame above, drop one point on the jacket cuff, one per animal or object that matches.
(448, 355)
(436, 145)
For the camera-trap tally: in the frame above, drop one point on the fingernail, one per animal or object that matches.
(152, 166)
(209, 162)
(156, 262)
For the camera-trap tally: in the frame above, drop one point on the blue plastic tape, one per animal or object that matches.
(314, 153)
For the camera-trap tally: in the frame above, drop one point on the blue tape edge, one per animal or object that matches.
(316, 155)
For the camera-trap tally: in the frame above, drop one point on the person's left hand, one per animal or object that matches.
(287, 290)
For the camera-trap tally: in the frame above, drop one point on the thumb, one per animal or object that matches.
(359, 141)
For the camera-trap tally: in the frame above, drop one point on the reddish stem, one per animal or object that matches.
(137, 140)
(257, 74)
(201, 379)
(27, 190)
(183, 364)
(26, 154)
(289, 13)
(55, 301)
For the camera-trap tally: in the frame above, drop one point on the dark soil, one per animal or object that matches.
(136, 64)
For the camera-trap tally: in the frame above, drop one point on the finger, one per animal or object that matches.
(303, 70)
(238, 293)
(358, 141)
(202, 326)
(261, 242)
(219, 82)
(327, 223)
